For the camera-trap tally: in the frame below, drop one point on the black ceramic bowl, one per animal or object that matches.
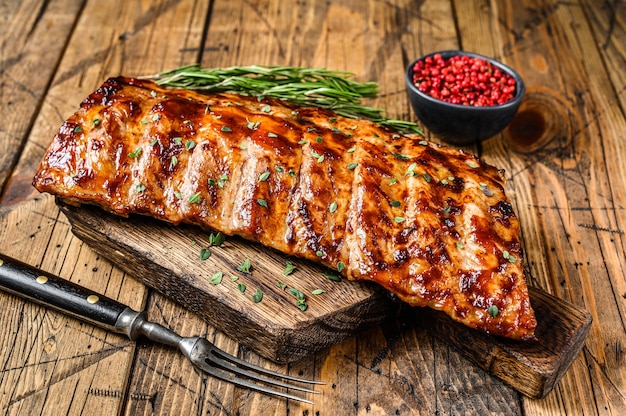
(463, 124)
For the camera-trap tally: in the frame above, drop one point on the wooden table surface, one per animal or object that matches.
(565, 164)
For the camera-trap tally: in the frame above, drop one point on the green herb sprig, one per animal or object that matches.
(319, 87)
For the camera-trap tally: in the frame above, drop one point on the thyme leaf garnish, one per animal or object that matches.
(289, 268)
(216, 279)
(216, 239)
(245, 266)
(135, 153)
(205, 253)
(332, 276)
(258, 296)
(300, 298)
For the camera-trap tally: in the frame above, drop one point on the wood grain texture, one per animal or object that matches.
(69, 368)
(24, 27)
(49, 354)
(532, 368)
(564, 175)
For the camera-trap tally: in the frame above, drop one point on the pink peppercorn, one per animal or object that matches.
(463, 80)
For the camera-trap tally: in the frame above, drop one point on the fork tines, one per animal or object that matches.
(244, 374)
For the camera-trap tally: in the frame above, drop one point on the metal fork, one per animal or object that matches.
(44, 288)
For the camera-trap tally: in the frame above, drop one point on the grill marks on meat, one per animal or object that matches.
(431, 224)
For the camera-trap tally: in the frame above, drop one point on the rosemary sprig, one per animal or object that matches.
(319, 87)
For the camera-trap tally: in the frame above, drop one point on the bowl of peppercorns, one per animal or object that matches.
(463, 97)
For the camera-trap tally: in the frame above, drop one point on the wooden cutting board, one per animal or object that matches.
(168, 259)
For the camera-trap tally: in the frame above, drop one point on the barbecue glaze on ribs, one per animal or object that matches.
(430, 224)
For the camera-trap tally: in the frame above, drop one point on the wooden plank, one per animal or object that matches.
(63, 366)
(606, 76)
(560, 158)
(608, 26)
(46, 355)
(32, 32)
(532, 368)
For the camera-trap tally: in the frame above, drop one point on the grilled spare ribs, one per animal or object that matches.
(429, 223)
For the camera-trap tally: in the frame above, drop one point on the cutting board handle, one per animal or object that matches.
(531, 367)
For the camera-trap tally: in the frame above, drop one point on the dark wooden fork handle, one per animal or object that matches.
(46, 289)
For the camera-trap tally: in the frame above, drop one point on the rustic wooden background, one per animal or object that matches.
(565, 158)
